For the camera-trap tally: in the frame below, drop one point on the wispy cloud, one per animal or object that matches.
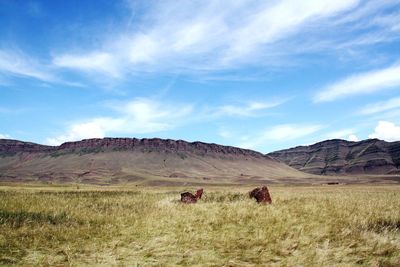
(167, 36)
(217, 36)
(387, 131)
(362, 83)
(152, 115)
(96, 61)
(250, 109)
(374, 9)
(280, 133)
(382, 106)
(17, 63)
(390, 21)
(139, 116)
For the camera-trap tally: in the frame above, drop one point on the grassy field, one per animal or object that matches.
(137, 226)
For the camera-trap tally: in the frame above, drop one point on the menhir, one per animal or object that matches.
(188, 197)
(261, 195)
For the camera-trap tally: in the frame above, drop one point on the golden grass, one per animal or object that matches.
(305, 226)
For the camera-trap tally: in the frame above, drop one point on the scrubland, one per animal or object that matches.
(138, 226)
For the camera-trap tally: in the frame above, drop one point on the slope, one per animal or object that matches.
(141, 161)
(333, 157)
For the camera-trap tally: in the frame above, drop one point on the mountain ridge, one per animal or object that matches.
(150, 161)
(155, 161)
(337, 156)
(16, 146)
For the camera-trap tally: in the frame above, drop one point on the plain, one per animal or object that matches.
(331, 225)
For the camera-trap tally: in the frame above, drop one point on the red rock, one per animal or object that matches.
(15, 146)
(188, 197)
(261, 195)
(128, 144)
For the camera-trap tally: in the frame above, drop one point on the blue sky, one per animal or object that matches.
(263, 75)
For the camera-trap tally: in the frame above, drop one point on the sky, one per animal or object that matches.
(263, 75)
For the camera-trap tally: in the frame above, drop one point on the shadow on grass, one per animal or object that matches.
(384, 225)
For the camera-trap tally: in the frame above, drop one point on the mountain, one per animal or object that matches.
(336, 157)
(141, 161)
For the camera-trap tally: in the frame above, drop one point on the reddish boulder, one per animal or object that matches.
(261, 195)
(188, 197)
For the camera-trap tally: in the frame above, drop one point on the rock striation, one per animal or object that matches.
(141, 161)
(331, 157)
(125, 144)
(11, 147)
(156, 144)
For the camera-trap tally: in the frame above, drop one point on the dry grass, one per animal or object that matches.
(305, 226)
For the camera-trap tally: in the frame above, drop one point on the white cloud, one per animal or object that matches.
(4, 136)
(369, 9)
(149, 115)
(280, 20)
(353, 138)
(95, 128)
(346, 134)
(387, 131)
(218, 35)
(390, 21)
(97, 61)
(18, 64)
(383, 106)
(288, 131)
(280, 133)
(363, 83)
(168, 36)
(141, 115)
(248, 110)
(144, 115)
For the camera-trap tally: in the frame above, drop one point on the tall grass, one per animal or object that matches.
(305, 226)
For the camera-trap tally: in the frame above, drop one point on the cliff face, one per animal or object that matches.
(125, 144)
(336, 156)
(14, 146)
(155, 144)
(177, 162)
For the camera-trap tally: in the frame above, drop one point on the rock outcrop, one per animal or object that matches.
(141, 161)
(188, 197)
(261, 194)
(11, 147)
(125, 144)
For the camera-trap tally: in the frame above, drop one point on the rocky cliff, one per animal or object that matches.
(154, 144)
(331, 157)
(141, 161)
(176, 162)
(95, 145)
(11, 147)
